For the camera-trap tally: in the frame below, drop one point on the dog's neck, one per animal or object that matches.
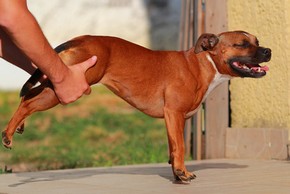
(218, 77)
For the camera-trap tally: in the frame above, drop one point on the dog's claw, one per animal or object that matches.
(5, 141)
(192, 177)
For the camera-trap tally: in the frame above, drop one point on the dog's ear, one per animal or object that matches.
(206, 42)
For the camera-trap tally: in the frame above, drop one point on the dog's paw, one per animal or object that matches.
(20, 129)
(184, 177)
(5, 140)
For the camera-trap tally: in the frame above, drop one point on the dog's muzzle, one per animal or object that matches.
(248, 66)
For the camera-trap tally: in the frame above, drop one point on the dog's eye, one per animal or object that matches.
(244, 44)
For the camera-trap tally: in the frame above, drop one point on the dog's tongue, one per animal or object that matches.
(253, 67)
(264, 68)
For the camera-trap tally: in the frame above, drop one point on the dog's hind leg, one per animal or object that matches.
(38, 99)
(30, 83)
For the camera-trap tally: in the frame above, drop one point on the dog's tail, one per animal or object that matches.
(32, 81)
(37, 75)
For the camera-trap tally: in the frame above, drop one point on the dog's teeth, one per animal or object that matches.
(245, 67)
(258, 69)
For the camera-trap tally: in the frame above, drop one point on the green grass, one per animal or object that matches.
(97, 130)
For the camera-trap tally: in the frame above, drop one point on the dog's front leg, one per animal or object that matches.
(175, 126)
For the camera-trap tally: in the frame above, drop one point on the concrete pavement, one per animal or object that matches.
(213, 176)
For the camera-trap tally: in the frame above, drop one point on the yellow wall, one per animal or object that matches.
(264, 102)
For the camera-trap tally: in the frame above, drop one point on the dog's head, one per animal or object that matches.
(236, 53)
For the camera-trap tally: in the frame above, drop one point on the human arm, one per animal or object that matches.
(21, 26)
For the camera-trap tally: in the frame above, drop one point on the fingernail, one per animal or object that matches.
(94, 58)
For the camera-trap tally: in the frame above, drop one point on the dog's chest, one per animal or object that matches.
(218, 79)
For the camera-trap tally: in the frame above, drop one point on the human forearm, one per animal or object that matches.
(28, 37)
(11, 53)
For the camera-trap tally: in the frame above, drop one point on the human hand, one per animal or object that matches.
(74, 83)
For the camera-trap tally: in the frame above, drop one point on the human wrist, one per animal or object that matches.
(58, 73)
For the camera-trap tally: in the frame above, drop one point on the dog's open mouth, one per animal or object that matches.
(249, 69)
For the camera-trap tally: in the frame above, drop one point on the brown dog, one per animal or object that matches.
(162, 84)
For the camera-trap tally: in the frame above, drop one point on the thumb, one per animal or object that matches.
(89, 63)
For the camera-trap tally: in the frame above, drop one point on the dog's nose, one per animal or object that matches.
(263, 54)
(267, 52)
